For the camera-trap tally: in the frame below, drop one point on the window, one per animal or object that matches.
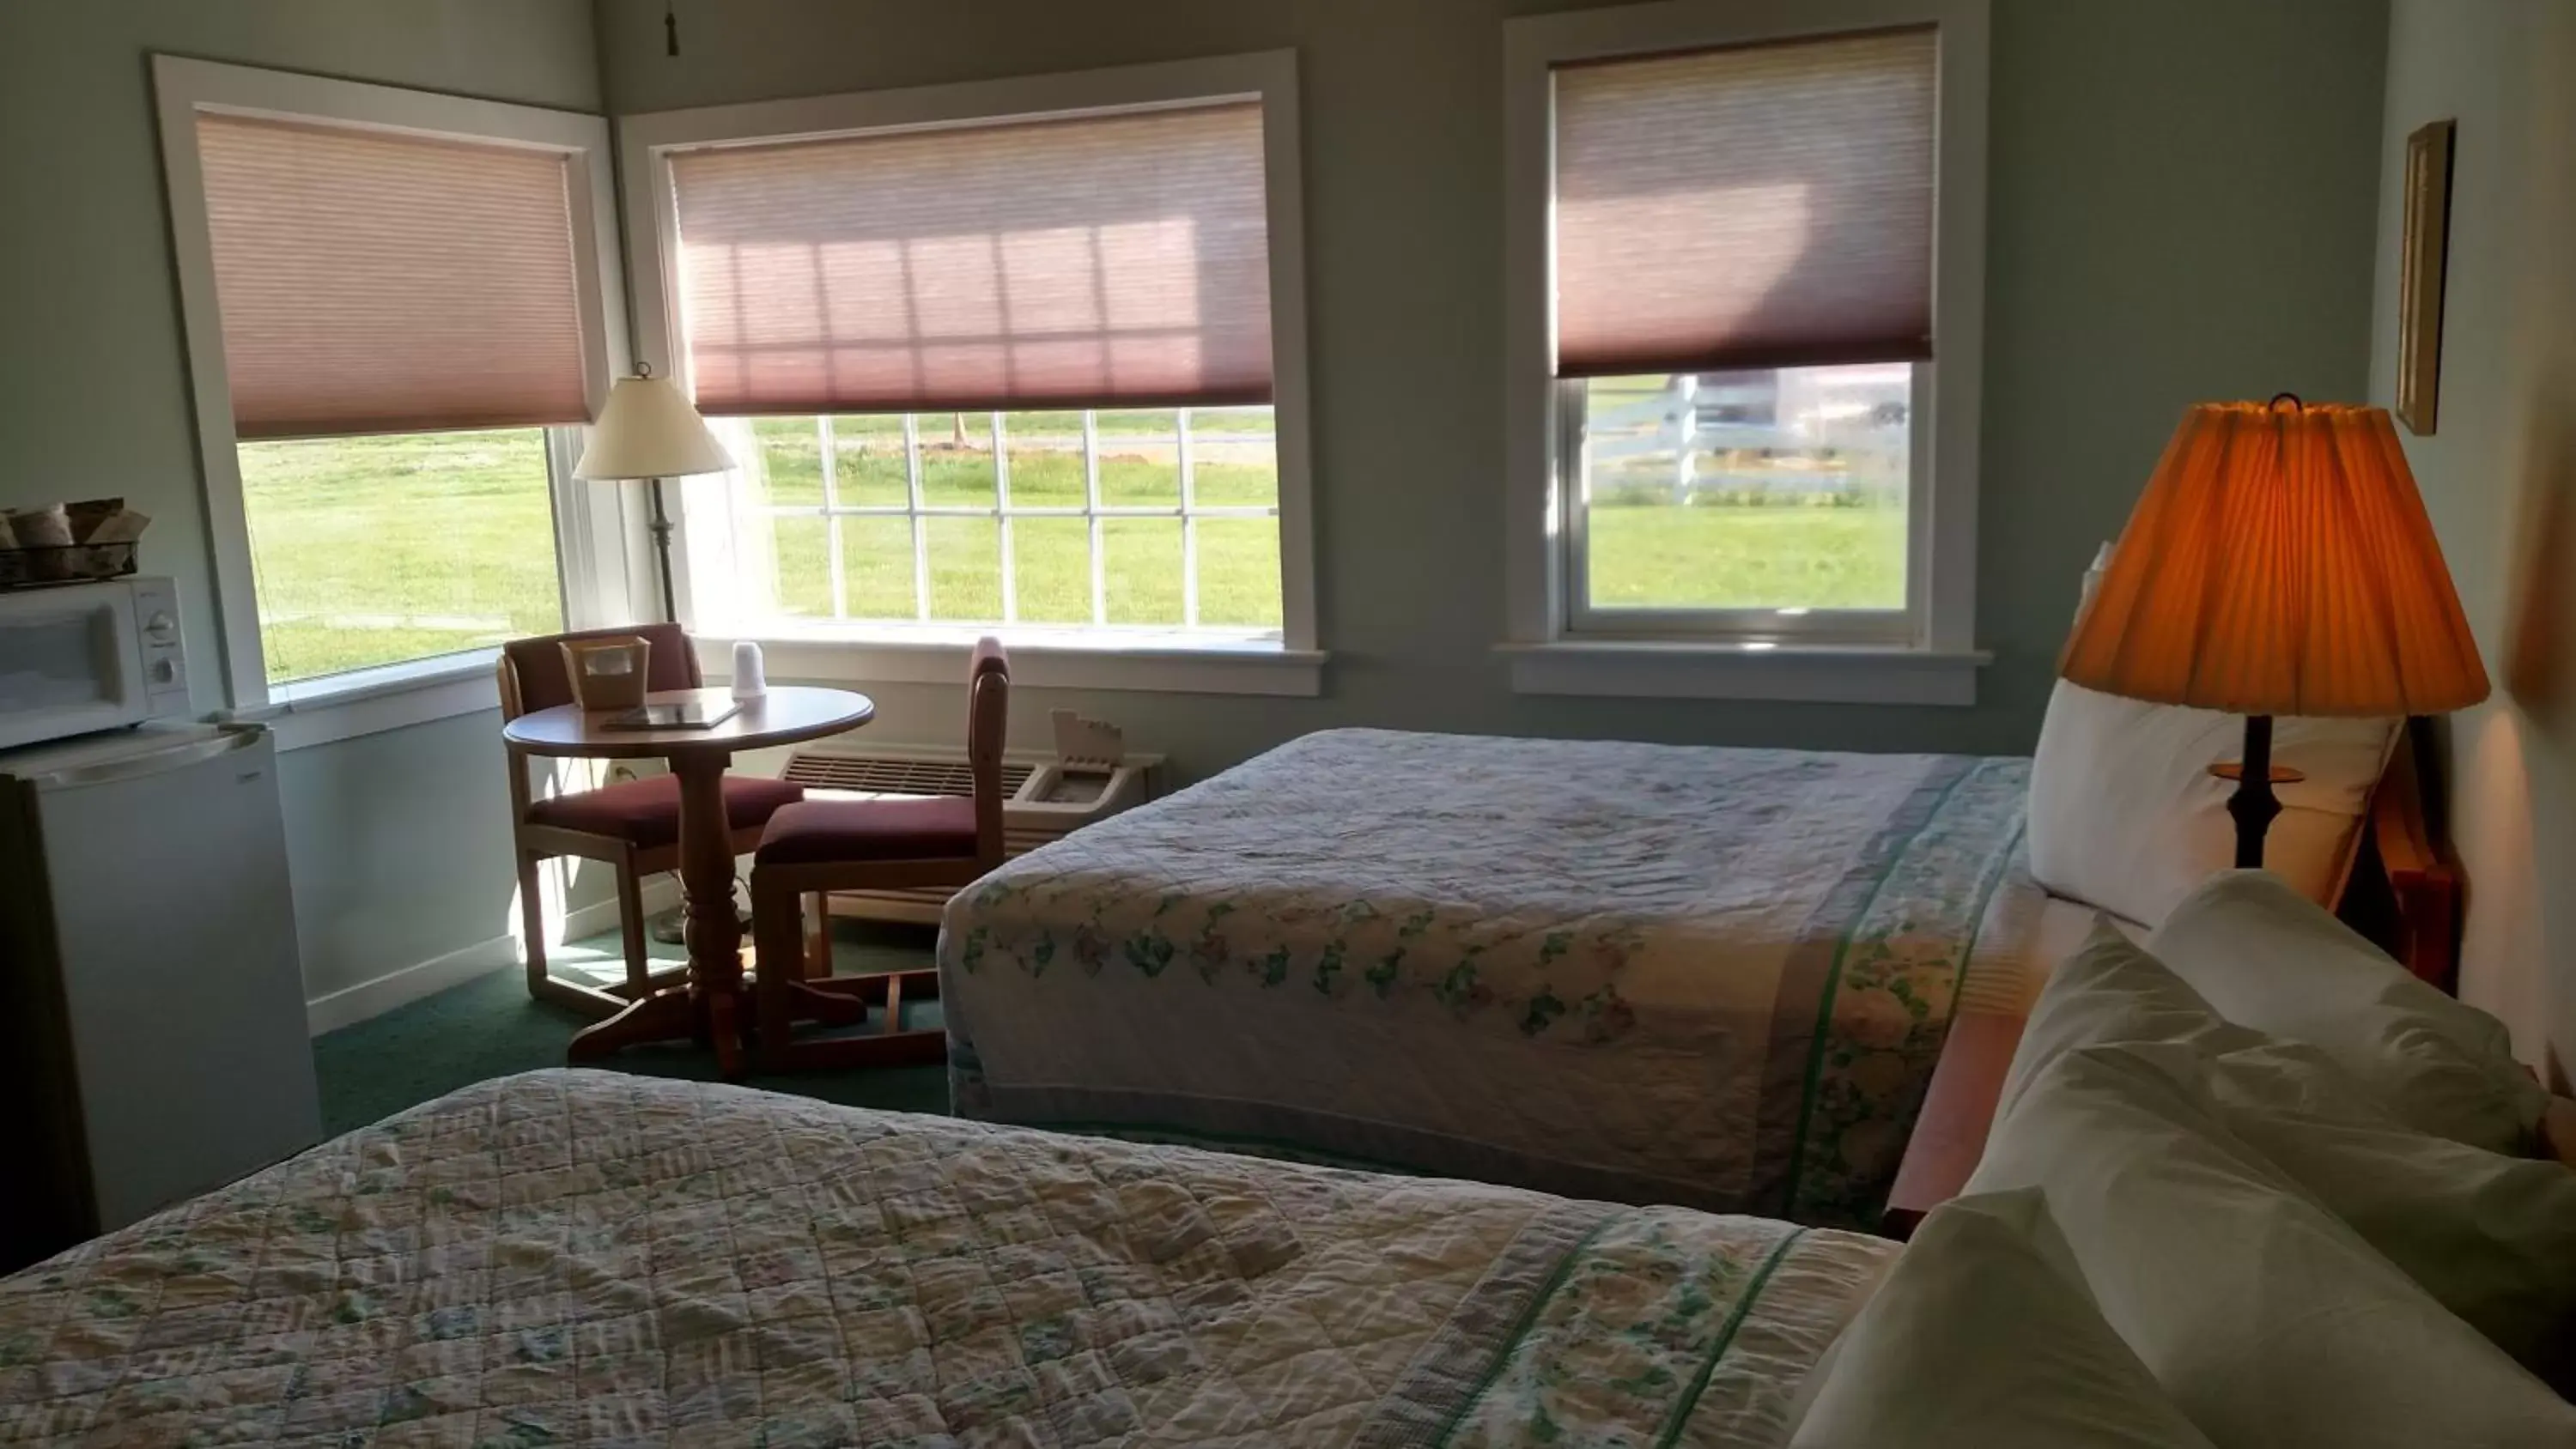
(1163, 520)
(1745, 271)
(396, 324)
(1023, 356)
(383, 549)
(1769, 495)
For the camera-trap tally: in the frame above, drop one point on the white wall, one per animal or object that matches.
(399, 843)
(2130, 274)
(2180, 204)
(2499, 476)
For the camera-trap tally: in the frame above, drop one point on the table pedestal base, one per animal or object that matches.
(667, 1015)
(709, 1008)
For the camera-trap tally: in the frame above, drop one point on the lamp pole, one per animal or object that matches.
(2254, 804)
(660, 527)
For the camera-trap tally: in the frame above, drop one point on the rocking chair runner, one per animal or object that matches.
(827, 845)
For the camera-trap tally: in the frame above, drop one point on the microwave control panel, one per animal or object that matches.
(165, 654)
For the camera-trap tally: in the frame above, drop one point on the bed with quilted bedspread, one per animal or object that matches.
(581, 1257)
(1646, 973)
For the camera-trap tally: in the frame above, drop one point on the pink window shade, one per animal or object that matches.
(1758, 206)
(1119, 260)
(380, 283)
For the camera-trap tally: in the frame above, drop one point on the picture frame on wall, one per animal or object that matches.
(2421, 259)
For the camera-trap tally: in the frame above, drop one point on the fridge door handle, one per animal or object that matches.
(232, 740)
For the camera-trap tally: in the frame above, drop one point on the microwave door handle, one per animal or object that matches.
(156, 762)
(131, 651)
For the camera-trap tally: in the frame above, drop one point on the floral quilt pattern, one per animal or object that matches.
(589, 1258)
(1507, 916)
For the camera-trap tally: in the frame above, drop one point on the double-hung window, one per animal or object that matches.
(1744, 265)
(396, 321)
(1021, 357)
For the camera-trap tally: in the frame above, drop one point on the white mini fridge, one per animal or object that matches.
(152, 1029)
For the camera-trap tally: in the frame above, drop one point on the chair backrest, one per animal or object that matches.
(533, 675)
(988, 720)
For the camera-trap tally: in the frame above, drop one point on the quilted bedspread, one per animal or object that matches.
(1715, 977)
(581, 1257)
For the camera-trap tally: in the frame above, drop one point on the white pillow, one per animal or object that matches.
(2491, 1237)
(2265, 1319)
(1984, 1335)
(2262, 957)
(2112, 990)
(2125, 815)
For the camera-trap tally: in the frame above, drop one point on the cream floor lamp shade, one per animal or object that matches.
(650, 430)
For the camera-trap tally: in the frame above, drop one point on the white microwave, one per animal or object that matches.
(75, 658)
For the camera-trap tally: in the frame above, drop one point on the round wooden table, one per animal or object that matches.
(709, 1007)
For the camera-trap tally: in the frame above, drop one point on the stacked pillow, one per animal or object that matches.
(1984, 1334)
(2262, 957)
(2287, 1180)
(2262, 1315)
(2490, 1237)
(2124, 814)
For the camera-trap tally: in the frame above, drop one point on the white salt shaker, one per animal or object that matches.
(749, 680)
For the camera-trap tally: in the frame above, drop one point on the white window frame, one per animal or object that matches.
(1185, 509)
(1047, 656)
(591, 564)
(1555, 643)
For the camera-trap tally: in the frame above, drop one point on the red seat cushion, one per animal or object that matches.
(825, 832)
(646, 813)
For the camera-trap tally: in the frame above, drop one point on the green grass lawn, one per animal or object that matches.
(1051, 560)
(374, 550)
(1779, 556)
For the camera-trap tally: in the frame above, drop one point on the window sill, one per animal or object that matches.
(1050, 659)
(1820, 673)
(370, 701)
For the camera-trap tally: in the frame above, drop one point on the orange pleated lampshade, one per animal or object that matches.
(2280, 562)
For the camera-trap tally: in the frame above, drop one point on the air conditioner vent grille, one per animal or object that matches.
(888, 775)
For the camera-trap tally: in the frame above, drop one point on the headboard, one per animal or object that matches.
(2404, 894)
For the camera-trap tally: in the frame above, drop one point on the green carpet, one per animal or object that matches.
(489, 1028)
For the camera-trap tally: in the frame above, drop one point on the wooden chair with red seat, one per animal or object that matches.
(834, 845)
(633, 826)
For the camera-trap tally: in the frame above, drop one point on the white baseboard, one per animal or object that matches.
(352, 1004)
(349, 1005)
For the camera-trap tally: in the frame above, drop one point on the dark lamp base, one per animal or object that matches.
(2253, 804)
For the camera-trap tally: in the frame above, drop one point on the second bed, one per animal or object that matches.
(1713, 977)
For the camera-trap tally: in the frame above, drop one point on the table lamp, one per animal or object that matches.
(649, 430)
(2279, 563)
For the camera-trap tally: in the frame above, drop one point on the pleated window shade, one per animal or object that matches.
(390, 284)
(1113, 260)
(1757, 206)
(380, 283)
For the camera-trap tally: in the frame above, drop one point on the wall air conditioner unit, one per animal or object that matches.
(1046, 797)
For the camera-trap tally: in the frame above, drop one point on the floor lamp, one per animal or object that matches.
(650, 431)
(2279, 563)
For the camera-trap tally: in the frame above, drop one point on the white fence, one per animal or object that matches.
(1668, 435)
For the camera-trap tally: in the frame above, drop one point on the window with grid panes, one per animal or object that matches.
(1166, 519)
(1012, 371)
